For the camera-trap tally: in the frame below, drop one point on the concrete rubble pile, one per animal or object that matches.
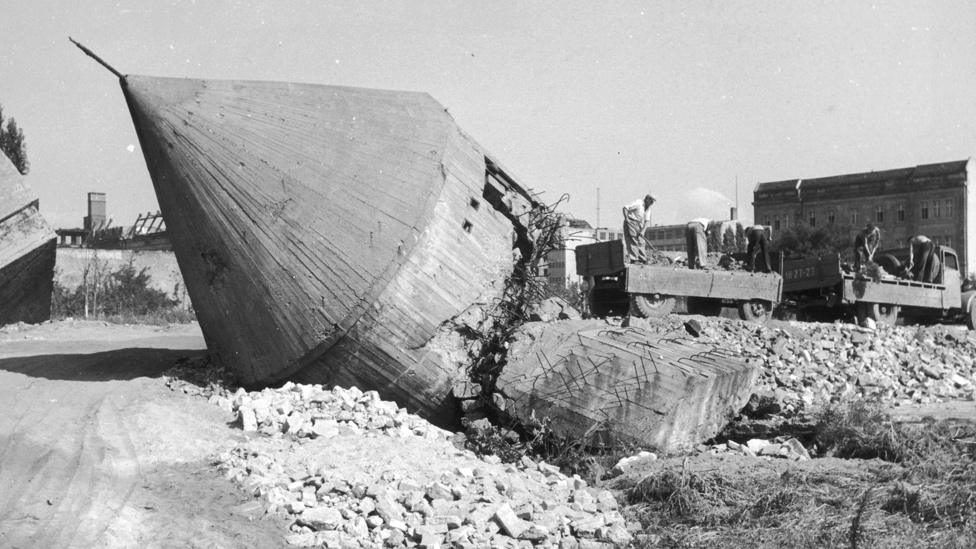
(326, 460)
(806, 364)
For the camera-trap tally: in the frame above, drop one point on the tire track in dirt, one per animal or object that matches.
(101, 478)
(95, 451)
(48, 493)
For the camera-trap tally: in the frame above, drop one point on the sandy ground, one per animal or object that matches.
(95, 450)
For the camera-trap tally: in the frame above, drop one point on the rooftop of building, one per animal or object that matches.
(911, 174)
(576, 223)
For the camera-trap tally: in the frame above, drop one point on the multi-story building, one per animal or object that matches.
(560, 267)
(667, 238)
(671, 238)
(930, 199)
(604, 234)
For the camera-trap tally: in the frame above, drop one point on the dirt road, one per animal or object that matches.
(95, 450)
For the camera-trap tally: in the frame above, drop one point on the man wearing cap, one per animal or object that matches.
(696, 243)
(636, 217)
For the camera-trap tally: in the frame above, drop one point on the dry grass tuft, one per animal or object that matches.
(923, 493)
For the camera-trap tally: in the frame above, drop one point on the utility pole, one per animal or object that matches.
(738, 214)
(598, 207)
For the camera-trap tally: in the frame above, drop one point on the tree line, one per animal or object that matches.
(12, 143)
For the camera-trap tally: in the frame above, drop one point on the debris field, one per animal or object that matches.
(353, 470)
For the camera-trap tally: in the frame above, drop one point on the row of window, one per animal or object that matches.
(928, 209)
(609, 235)
(665, 234)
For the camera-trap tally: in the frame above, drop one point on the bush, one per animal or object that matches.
(803, 240)
(859, 430)
(123, 295)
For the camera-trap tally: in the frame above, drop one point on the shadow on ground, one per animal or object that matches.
(120, 364)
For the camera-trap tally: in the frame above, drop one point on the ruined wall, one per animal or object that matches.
(162, 268)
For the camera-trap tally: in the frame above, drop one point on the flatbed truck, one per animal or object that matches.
(822, 283)
(618, 288)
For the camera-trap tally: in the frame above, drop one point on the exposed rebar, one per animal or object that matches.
(100, 61)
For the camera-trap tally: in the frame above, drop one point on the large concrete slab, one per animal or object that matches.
(596, 381)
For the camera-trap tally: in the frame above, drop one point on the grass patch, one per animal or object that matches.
(894, 485)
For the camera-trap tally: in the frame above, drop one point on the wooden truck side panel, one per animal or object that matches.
(907, 293)
(737, 285)
(808, 274)
(600, 258)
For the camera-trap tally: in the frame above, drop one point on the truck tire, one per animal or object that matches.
(880, 313)
(757, 310)
(651, 306)
(971, 317)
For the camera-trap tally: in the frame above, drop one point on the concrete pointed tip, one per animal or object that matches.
(323, 231)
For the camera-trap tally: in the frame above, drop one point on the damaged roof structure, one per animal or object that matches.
(27, 251)
(357, 237)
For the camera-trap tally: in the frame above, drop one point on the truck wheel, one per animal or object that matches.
(756, 310)
(651, 306)
(971, 317)
(880, 313)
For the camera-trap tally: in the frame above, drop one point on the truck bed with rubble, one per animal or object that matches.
(823, 283)
(619, 288)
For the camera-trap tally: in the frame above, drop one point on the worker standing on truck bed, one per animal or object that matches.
(923, 264)
(636, 217)
(865, 244)
(758, 243)
(695, 242)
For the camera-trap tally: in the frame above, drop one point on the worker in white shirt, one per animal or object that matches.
(637, 215)
(695, 242)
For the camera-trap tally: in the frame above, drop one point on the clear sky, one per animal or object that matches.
(679, 99)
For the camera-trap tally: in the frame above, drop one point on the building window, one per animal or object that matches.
(776, 222)
(766, 222)
(813, 219)
(925, 210)
(948, 241)
(901, 213)
(936, 208)
(948, 208)
(879, 214)
(830, 217)
(786, 221)
(853, 216)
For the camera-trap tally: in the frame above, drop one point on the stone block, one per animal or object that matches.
(508, 522)
(666, 391)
